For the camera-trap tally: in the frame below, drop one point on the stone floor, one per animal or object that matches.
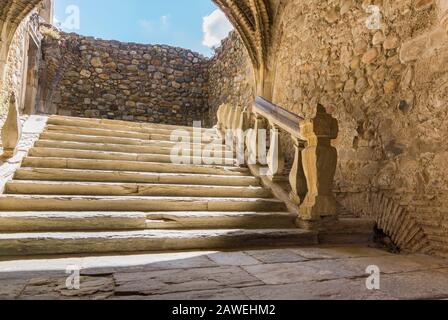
(292, 273)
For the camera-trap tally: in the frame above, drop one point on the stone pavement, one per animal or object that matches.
(291, 273)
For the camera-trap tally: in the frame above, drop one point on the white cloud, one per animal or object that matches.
(216, 27)
(165, 20)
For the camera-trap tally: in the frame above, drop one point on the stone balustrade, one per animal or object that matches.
(312, 174)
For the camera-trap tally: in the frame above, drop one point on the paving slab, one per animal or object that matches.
(276, 256)
(233, 259)
(339, 252)
(174, 281)
(340, 289)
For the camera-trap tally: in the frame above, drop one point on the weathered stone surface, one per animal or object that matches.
(192, 275)
(162, 282)
(276, 256)
(233, 259)
(340, 289)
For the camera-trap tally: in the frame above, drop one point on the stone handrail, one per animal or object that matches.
(315, 160)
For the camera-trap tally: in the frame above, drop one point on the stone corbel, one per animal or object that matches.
(11, 130)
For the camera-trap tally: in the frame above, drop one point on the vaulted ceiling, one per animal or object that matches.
(253, 19)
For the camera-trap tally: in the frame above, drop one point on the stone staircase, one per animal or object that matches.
(103, 186)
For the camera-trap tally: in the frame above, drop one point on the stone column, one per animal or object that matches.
(11, 130)
(319, 164)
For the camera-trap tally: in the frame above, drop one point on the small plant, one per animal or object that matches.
(50, 32)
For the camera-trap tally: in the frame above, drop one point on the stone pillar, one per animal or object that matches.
(11, 130)
(319, 164)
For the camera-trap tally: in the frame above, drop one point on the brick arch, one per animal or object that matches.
(395, 221)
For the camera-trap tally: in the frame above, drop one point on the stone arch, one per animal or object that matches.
(12, 12)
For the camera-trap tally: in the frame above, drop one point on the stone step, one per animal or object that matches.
(150, 149)
(51, 174)
(89, 122)
(93, 164)
(104, 203)
(20, 244)
(189, 131)
(129, 189)
(220, 220)
(115, 140)
(71, 221)
(168, 136)
(119, 156)
(54, 221)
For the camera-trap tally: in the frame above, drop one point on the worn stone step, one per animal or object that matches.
(74, 121)
(16, 244)
(220, 220)
(132, 189)
(104, 203)
(119, 156)
(154, 148)
(93, 164)
(71, 221)
(190, 131)
(38, 221)
(163, 136)
(54, 174)
(116, 140)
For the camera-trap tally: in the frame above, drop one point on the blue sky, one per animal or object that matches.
(174, 22)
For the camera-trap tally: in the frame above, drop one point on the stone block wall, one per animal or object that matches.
(388, 89)
(124, 81)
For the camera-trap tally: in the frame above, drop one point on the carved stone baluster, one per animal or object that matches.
(276, 156)
(297, 177)
(11, 130)
(258, 142)
(319, 164)
(220, 116)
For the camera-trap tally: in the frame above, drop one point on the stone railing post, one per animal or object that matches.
(319, 165)
(276, 157)
(258, 141)
(11, 130)
(297, 177)
(221, 115)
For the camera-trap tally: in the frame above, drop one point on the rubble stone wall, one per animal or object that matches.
(125, 81)
(389, 90)
(231, 77)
